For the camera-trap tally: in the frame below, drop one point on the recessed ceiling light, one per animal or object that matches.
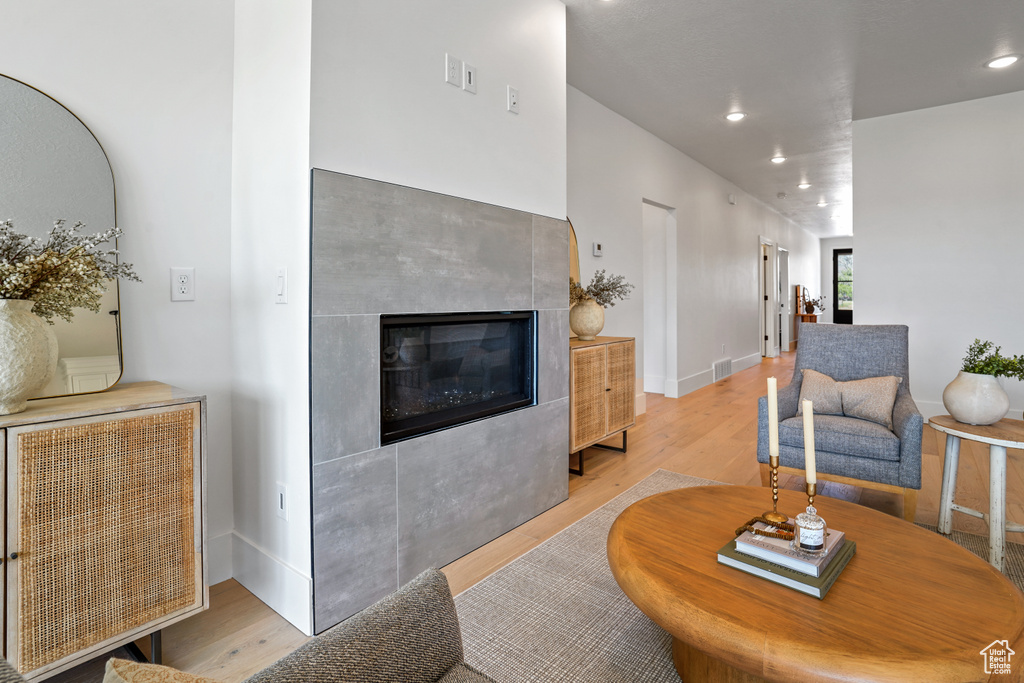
(804, 186)
(822, 203)
(778, 160)
(1002, 62)
(735, 116)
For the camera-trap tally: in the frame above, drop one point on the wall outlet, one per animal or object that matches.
(282, 501)
(183, 284)
(453, 70)
(513, 100)
(598, 249)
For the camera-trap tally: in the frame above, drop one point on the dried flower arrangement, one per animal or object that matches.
(812, 305)
(604, 289)
(62, 272)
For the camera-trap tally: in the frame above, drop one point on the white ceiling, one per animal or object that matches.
(803, 70)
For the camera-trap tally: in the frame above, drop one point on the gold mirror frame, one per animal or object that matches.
(574, 253)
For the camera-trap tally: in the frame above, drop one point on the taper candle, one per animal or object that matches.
(773, 418)
(812, 475)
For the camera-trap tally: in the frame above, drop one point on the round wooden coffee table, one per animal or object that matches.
(910, 606)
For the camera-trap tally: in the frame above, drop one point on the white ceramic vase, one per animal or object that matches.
(28, 354)
(975, 399)
(586, 319)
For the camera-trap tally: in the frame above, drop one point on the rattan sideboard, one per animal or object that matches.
(103, 511)
(601, 392)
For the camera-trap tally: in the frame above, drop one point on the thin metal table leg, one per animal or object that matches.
(156, 654)
(996, 505)
(156, 647)
(949, 467)
(579, 470)
(614, 448)
(598, 445)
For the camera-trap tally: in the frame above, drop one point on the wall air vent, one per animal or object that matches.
(721, 369)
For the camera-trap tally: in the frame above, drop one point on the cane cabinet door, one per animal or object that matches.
(621, 385)
(601, 400)
(589, 414)
(104, 532)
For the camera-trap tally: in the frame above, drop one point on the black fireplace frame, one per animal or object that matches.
(401, 430)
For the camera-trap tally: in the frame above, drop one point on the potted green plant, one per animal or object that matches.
(975, 396)
(586, 315)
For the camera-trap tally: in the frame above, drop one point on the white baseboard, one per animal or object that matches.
(931, 408)
(684, 385)
(746, 362)
(218, 558)
(640, 403)
(681, 387)
(282, 587)
(653, 383)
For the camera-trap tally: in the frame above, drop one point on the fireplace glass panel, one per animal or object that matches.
(438, 371)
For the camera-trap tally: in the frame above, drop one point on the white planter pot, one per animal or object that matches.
(586, 319)
(28, 354)
(975, 399)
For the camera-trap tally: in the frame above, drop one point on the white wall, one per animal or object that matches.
(614, 166)
(153, 82)
(394, 118)
(938, 212)
(825, 286)
(270, 230)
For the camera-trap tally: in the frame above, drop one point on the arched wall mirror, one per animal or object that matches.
(574, 253)
(54, 167)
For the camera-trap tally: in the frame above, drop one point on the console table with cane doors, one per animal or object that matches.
(103, 511)
(602, 387)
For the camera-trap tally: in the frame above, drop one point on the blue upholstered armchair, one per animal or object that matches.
(851, 450)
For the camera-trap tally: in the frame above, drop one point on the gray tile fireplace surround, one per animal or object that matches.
(383, 514)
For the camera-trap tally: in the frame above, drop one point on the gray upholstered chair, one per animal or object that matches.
(851, 450)
(411, 636)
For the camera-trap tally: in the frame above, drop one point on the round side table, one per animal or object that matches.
(1004, 434)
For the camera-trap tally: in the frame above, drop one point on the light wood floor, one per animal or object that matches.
(710, 433)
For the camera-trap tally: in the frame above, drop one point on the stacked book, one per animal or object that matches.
(774, 559)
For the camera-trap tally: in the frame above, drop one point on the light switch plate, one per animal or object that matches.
(281, 286)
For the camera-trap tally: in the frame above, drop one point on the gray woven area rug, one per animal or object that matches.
(556, 614)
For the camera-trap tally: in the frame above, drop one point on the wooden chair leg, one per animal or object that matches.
(766, 474)
(909, 504)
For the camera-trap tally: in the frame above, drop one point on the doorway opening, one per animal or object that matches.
(769, 295)
(660, 360)
(842, 286)
(785, 302)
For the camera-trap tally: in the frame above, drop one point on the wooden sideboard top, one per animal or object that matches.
(575, 343)
(120, 397)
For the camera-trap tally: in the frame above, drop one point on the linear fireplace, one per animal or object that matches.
(441, 370)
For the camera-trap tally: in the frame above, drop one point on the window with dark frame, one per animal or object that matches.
(842, 286)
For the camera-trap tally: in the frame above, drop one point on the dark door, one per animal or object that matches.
(842, 286)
